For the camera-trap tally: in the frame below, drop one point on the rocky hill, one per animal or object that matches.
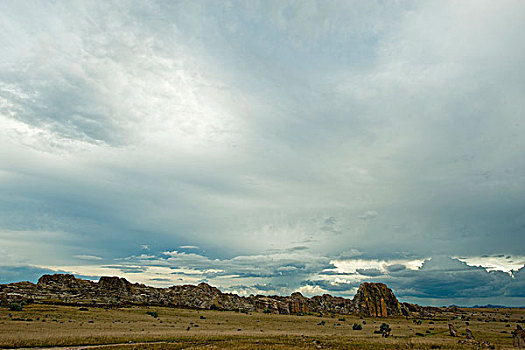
(372, 299)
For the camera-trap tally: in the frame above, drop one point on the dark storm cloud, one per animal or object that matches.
(516, 287)
(449, 278)
(370, 272)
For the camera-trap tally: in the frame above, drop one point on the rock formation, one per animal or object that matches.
(480, 344)
(469, 334)
(376, 299)
(372, 299)
(470, 339)
(518, 337)
(298, 304)
(452, 330)
(422, 311)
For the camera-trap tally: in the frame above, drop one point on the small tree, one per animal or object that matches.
(357, 327)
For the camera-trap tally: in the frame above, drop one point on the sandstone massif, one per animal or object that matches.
(371, 299)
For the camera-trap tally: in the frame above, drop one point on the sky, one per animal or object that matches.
(267, 147)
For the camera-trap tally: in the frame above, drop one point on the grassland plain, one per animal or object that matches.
(39, 325)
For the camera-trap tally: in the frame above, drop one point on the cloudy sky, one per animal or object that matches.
(267, 147)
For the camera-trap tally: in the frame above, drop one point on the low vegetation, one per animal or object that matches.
(138, 328)
(16, 306)
(153, 314)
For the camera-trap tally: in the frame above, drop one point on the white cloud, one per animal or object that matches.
(354, 265)
(505, 263)
(311, 290)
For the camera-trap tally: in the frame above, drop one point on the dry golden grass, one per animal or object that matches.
(48, 325)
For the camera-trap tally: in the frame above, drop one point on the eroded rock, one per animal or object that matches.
(376, 299)
(518, 337)
(372, 299)
(452, 330)
(469, 334)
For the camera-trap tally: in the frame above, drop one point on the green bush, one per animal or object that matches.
(357, 327)
(385, 327)
(16, 306)
(154, 314)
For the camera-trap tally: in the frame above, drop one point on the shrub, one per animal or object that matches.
(16, 306)
(153, 314)
(385, 327)
(342, 319)
(357, 327)
(385, 330)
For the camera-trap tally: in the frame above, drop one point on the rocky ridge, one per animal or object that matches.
(372, 299)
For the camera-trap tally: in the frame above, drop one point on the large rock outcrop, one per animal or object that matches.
(376, 299)
(372, 299)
